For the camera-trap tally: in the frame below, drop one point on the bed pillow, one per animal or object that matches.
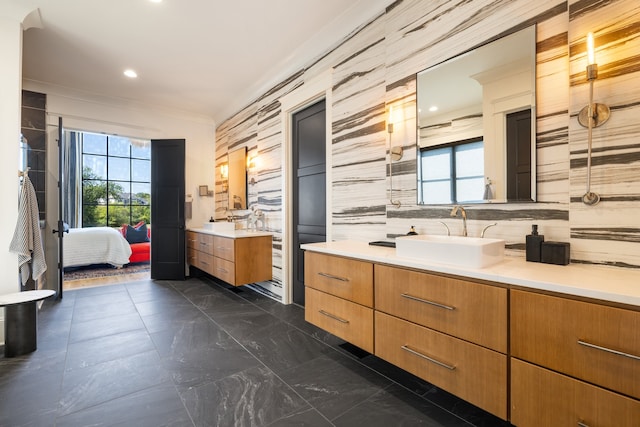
(137, 235)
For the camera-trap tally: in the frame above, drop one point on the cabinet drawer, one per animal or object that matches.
(205, 243)
(224, 248)
(225, 270)
(192, 257)
(468, 310)
(205, 262)
(471, 372)
(351, 322)
(589, 341)
(192, 240)
(540, 397)
(342, 277)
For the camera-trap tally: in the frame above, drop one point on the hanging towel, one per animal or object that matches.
(488, 193)
(26, 241)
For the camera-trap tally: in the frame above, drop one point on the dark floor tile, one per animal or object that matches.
(396, 406)
(84, 388)
(254, 397)
(187, 337)
(333, 384)
(96, 291)
(152, 292)
(166, 306)
(96, 328)
(92, 352)
(305, 418)
(282, 347)
(192, 368)
(39, 361)
(96, 310)
(29, 397)
(153, 407)
(247, 320)
(174, 315)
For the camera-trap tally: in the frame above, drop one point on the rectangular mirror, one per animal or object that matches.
(476, 125)
(238, 179)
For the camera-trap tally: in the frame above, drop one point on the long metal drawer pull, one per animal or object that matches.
(581, 424)
(609, 350)
(333, 316)
(204, 262)
(223, 270)
(221, 248)
(437, 362)
(331, 276)
(411, 297)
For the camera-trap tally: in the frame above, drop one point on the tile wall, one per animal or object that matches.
(374, 68)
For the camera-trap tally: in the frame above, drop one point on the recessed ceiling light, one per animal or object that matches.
(433, 108)
(131, 74)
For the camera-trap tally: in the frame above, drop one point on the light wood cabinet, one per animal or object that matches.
(237, 261)
(592, 342)
(345, 319)
(467, 310)
(339, 297)
(541, 397)
(345, 278)
(469, 371)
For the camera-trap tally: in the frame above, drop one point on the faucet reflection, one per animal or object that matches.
(463, 214)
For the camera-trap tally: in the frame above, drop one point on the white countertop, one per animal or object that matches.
(25, 297)
(603, 283)
(235, 234)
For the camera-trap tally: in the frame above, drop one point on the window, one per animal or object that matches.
(453, 173)
(116, 180)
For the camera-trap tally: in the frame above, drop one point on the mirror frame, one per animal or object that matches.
(530, 33)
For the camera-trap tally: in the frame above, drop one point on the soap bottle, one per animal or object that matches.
(534, 244)
(412, 232)
(212, 220)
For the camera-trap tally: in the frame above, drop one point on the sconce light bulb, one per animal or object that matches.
(591, 56)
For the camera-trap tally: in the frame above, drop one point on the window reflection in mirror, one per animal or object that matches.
(476, 125)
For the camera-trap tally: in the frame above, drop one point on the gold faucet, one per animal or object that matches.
(463, 214)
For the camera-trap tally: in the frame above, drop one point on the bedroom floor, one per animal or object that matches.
(198, 353)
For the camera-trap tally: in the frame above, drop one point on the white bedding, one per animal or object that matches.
(95, 245)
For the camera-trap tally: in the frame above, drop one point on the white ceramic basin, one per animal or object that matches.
(471, 252)
(221, 227)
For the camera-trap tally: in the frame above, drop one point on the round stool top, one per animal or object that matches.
(24, 297)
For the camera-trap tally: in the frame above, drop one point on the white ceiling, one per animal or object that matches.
(206, 57)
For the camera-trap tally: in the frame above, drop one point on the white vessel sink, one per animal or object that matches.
(220, 227)
(471, 252)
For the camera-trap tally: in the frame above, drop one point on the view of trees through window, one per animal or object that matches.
(116, 180)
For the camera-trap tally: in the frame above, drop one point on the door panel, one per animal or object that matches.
(167, 209)
(309, 187)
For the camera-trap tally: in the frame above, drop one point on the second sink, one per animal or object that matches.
(470, 252)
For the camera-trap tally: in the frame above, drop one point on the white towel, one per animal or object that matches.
(26, 241)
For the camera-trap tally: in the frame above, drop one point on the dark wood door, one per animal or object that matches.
(519, 156)
(167, 209)
(309, 188)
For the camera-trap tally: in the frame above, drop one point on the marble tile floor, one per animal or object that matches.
(200, 353)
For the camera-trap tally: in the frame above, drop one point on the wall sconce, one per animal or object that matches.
(592, 115)
(395, 154)
(224, 174)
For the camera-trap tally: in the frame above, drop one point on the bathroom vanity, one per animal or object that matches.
(531, 343)
(238, 257)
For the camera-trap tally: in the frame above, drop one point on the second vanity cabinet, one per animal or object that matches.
(580, 359)
(237, 261)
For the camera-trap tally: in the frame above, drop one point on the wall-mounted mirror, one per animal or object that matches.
(238, 179)
(476, 125)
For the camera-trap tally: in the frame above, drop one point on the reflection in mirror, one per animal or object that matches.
(238, 179)
(476, 125)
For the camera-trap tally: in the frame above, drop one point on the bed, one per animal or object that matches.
(95, 245)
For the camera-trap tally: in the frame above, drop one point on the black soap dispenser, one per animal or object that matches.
(534, 244)
(412, 232)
